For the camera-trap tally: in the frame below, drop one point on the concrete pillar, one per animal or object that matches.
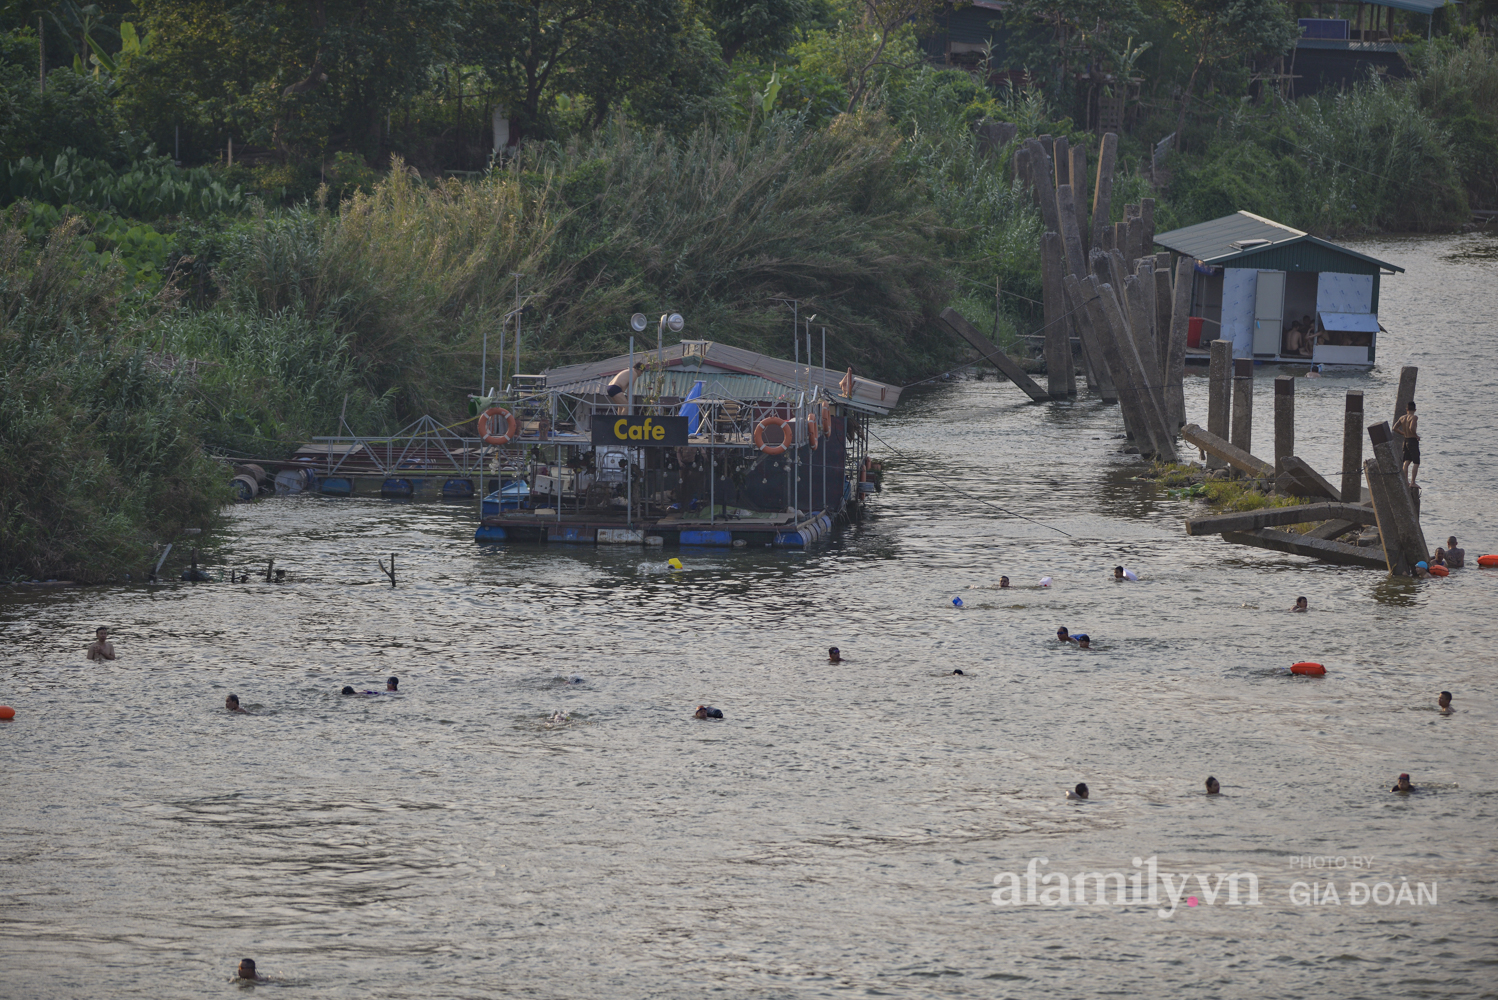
(1284, 421)
(1219, 401)
(1243, 404)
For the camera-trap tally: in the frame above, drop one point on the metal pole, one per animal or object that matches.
(484, 363)
(629, 472)
(712, 483)
(517, 278)
(556, 470)
(828, 442)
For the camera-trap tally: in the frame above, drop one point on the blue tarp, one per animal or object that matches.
(689, 408)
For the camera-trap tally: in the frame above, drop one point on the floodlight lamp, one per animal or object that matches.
(638, 322)
(675, 323)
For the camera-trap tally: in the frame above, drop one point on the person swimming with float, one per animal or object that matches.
(1078, 794)
(1119, 573)
(1213, 788)
(1403, 785)
(1062, 635)
(232, 704)
(392, 684)
(1443, 702)
(1083, 640)
(707, 712)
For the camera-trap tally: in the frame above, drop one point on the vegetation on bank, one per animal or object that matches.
(353, 256)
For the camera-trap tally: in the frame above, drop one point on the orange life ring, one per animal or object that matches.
(785, 435)
(1308, 669)
(1488, 561)
(826, 420)
(812, 432)
(486, 425)
(1439, 571)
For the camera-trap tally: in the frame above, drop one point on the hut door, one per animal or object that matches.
(1269, 312)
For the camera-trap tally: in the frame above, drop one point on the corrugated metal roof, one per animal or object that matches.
(704, 359)
(1208, 240)
(1235, 239)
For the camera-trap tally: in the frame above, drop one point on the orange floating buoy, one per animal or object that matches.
(1439, 571)
(1489, 561)
(7, 713)
(1308, 669)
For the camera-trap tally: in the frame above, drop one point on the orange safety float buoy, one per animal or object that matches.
(486, 425)
(1439, 571)
(827, 420)
(1308, 669)
(1488, 561)
(7, 713)
(785, 435)
(813, 434)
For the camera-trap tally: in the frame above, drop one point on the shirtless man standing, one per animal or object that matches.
(1408, 427)
(101, 648)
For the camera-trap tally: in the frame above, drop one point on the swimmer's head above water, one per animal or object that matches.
(707, 712)
(1443, 701)
(1063, 635)
(1003, 583)
(1080, 792)
(958, 673)
(348, 690)
(1403, 784)
(392, 683)
(1083, 640)
(833, 656)
(247, 969)
(1213, 787)
(1300, 604)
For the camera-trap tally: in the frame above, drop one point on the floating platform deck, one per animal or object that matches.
(601, 529)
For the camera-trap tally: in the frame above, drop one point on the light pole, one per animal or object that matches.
(517, 276)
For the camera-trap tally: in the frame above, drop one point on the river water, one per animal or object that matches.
(840, 833)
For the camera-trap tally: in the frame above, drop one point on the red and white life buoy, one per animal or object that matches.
(486, 425)
(773, 421)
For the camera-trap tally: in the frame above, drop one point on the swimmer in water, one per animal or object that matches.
(1403, 785)
(958, 673)
(1003, 583)
(1422, 570)
(392, 683)
(247, 970)
(707, 712)
(1083, 642)
(1078, 794)
(1444, 703)
(348, 690)
(1301, 605)
(833, 656)
(1062, 635)
(1119, 573)
(101, 648)
(1213, 788)
(232, 704)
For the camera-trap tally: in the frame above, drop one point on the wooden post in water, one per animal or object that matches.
(1180, 321)
(1087, 327)
(1061, 159)
(1022, 167)
(1044, 177)
(1243, 404)
(1123, 361)
(1102, 189)
(1074, 263)
(1219, 399)
(1284, 421)
(1352, 448)
(1164, 301)
(1141, 315)
(1147, 218)
(1135, 242)
(1060, 376)
(1079, 193)
(1138, 350)
(1404, 398)
(1386, 451)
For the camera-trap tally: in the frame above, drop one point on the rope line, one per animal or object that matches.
(964, 492)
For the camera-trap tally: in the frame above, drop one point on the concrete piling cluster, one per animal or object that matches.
(1104, 286)
(1392, 504)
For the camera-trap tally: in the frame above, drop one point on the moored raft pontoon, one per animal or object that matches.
(704, 444)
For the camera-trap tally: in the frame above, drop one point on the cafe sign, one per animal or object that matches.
(636, 432)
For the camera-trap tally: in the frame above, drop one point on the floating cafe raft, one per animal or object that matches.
(702, 444)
